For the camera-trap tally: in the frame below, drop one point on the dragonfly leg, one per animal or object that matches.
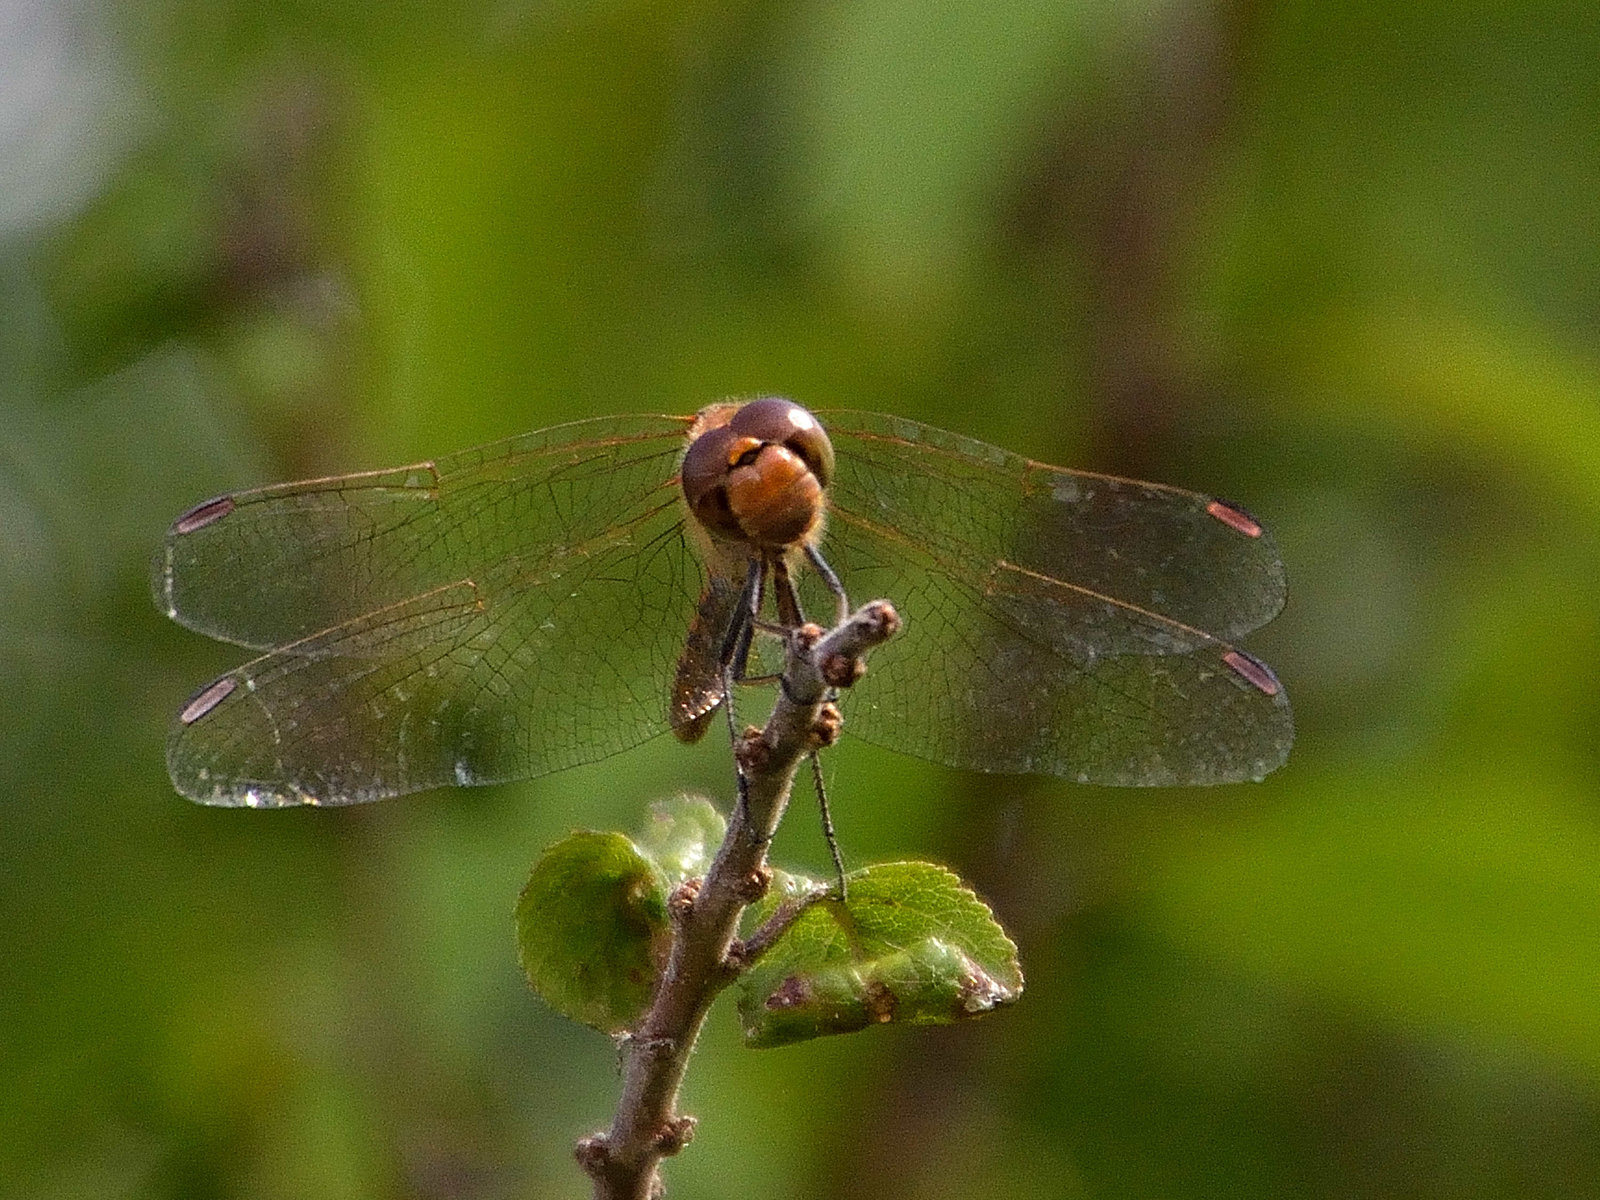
(789, 616)
(741, 633)
(789, 612)
(821, 567)
(735, 656)
(827, 823)
(736, 641)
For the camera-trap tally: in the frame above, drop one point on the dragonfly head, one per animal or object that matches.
(759, 477)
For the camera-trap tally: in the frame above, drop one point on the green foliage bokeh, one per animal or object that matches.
(1336, 263)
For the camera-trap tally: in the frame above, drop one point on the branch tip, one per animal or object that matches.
(837, 657)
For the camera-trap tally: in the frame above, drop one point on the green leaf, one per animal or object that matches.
(592, 929)
(912, 946)
(683, 836)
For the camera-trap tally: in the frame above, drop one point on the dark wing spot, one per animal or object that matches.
(207, 699)
(1235, 518)
(1253, 671)
(202, 515)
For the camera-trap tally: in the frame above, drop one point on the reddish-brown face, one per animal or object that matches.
(760, 477)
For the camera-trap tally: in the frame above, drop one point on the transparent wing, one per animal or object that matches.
(506, 612)
(271, 566)
(1056, 621)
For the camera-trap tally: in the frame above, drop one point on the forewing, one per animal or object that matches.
(275, 565)
(1055, 621)
(537, 664)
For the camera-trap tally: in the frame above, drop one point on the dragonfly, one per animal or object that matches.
(561, 596)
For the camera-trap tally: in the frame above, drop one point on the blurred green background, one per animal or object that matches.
(1337, 262)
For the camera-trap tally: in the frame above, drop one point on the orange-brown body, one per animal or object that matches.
(754, 480)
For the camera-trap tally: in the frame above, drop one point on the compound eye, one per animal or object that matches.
(704, 477)
(787, 424)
